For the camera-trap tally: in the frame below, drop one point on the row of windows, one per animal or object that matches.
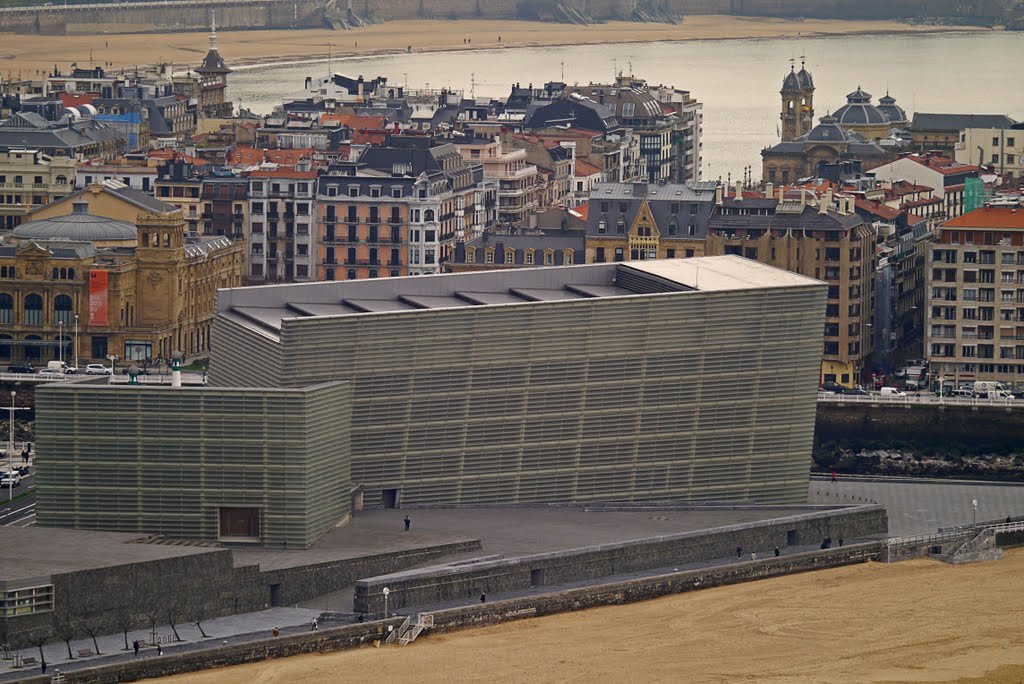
(62, 309)
(620, 227)
(528, 256)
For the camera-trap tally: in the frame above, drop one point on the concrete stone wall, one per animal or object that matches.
(435, 585)
(306, 582)
(354, 636)
(204, 584)
(982, 428)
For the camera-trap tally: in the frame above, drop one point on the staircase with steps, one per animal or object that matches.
(985, 536)
(409, 630)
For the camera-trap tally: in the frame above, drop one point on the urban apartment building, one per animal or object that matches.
(828, 242)
(975, 324)
(519, 183)
(282, 226)
(1000, 148)
(30, 179)
(399, 210)
(639, 221)
(605, 382)
(948, 179)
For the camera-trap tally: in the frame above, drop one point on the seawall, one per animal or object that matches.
(178, 15)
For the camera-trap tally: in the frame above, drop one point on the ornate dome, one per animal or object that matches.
(79, 226)
(828, 131)
(858, 110)
(887, 105)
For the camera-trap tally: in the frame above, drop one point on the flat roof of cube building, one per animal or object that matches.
(268, 306)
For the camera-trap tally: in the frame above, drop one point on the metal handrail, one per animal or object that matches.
(916, 399)
(401, 629)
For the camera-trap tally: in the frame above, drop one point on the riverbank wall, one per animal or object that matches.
(326, 640)
(179, 15)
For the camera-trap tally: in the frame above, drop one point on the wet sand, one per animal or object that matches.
(29, 55)
(917, 621)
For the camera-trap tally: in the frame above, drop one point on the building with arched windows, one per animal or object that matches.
(109, 271)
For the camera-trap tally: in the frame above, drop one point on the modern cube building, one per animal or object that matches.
(671, 379)
(244, 466)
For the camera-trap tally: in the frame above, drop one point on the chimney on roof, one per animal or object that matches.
(825, 202)
(782, 193)
(718, 195)
(739, 190)
(769, 190)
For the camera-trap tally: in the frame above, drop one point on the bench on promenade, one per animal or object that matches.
(85, 652)
(29, 661)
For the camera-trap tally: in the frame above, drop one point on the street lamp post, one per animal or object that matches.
(974, 507)
(60, 343)
(113, 359)
(385, 591)
(76, 343)
(10, 445)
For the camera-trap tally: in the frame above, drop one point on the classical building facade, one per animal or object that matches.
(78, 285)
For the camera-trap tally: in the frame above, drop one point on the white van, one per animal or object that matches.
(892, 392)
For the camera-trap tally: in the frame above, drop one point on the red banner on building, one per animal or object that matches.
(98, 298)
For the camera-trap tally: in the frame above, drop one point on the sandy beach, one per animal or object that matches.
(29, 55)
(916, 621)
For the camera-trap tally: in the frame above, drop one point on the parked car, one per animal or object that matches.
(61, 367)
(857, 392)
(97, 369)
(830, 386)
(51, 371)
(20, 367)
(962, 393)
(11, 479)
(892, 392)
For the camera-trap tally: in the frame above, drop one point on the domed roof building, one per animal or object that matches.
(861, 116)
(897, 117)
(79, 226)
(827, 143)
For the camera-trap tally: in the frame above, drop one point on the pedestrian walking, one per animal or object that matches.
(777, 552)
(159, 649)
(407, 523)
(833, 476)
(753, 556)
(840, 541)
(483, 597)
(135, 645)
(277, 632)
(739, 552)
(314, 626)
(42, 666)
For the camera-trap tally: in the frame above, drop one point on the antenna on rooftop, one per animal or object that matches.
(563, 72)
(472, 86)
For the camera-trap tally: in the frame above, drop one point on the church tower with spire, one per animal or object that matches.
(797, 103)
(213, 79)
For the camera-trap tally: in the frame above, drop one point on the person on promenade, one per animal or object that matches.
(753, 556)
(277, 632)
(833, 476)
(314, 626)
(483, 597)
(777, 552)
(135, 645)
(739, 551)
(159, 649)
(407, 523)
